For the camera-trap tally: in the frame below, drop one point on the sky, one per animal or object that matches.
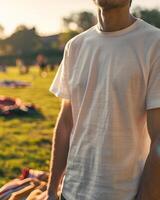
(46, 15)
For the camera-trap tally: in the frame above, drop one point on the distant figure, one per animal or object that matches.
(42, 63)
(52, 66)
(3, 68)
(23, 69)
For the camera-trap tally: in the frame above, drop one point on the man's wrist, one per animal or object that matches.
(52, 193)
(52, 197)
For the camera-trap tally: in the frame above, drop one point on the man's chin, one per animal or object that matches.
(101, 3)
(107, 4)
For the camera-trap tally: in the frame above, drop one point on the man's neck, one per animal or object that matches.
(114, 19)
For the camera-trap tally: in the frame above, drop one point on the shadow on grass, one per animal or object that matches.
(19, 114)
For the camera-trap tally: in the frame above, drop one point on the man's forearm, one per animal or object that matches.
(149, 184)
(59, 156)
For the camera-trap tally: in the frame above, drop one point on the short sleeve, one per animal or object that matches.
(153, 89)
(60, 86)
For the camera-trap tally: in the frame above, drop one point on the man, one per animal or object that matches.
(109, 80)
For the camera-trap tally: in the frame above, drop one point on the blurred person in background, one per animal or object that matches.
(42, 64)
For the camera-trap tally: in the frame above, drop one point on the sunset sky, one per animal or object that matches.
(46, 15)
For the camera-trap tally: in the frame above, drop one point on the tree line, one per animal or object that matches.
(26, 43)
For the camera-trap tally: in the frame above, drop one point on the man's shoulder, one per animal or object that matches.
(149, 38)
(151, 41)
(77, 40)
(151, 30)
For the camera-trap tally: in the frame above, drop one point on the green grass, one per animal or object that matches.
(26, 142)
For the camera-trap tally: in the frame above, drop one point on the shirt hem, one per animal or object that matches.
(154, 104)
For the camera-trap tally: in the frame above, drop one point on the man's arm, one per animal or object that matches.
(60, 148)
(150, 183)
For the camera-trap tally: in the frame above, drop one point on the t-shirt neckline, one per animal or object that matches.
(130, 28)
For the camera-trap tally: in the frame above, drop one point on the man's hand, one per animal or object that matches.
(46, 196)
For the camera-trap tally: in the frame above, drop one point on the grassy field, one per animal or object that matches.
(26, 142)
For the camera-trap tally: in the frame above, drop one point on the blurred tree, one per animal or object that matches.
(24, 40)
(5, 49)
(1, 31)
(151, 16)
(79, 21)
(65, 36)
(21, 28)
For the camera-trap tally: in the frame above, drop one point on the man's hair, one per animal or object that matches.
(130, 2)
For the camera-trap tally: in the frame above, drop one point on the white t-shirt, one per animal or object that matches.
(111, 78)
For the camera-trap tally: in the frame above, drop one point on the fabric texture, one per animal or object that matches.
(112, 79)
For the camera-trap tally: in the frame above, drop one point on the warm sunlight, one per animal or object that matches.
(79, 99)
(46, 14)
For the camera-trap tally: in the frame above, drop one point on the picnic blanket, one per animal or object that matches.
(14, 84)
(31, 185)
(10, 106)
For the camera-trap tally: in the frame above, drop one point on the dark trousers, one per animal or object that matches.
(62, 198)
